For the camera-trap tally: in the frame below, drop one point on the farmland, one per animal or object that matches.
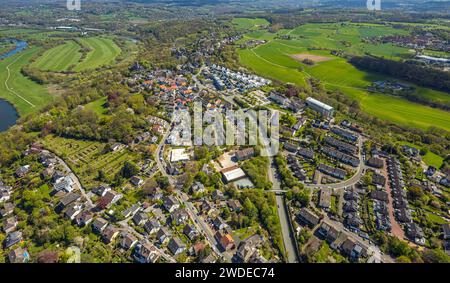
(101, 51)
(86, 158)
(248, 23)
(26, 95)
(274, 60)
(60, 58)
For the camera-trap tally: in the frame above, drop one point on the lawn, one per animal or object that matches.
(436, 219)
(86, 158)
(98, 106)
(274, 60)
(26, 95)
(248, 23)
(103, 51)
(59, 58)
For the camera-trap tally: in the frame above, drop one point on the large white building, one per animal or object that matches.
(178, 154)
(324, 109)
(232, 174)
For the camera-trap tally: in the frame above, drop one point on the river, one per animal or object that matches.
(8, 114)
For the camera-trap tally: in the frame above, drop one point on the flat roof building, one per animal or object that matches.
(322, 108)
(178, 154)
(233, 173)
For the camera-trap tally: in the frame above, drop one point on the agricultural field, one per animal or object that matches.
(26, 95)
(278, 60)
(59, 58)
(247, 23)
(103, 52)
(86, 158)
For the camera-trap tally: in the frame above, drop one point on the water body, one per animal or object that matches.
(8, 114)
(20, 46)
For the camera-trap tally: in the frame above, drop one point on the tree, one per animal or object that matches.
(436, 256)
(250, 209)
(129, 170)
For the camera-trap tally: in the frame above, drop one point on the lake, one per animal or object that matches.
(8, 115)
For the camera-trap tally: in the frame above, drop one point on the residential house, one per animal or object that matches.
(234, 205)
(219, 224)
(325, 199)
(110, 198)
(64, 184)
(109, 234)
(179, 216)
(131, 211)
(67, 200)
(12, 239)
(227, 242)
(9, 224)
(22, 171)
(137, 181)
(8, 209)
(170, 203)
(101, 190)
(375, 162)
(155, 193)
(128, 241)
(73, 210)
(152, 226)
(198, 188)
(163, 235)
(140, 218)
(244, 154)
(176, 246)
(307, 217)
(84, 218)
(217, 195)
(99, 225)
(190, 232)
(18, 255)
(145, 253)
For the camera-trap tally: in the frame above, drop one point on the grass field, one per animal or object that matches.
(274, 60)
(87, 157)
(26, 95)
(67, 57)
(97, 107)
(103, 52)
(59, 58)
(248, 23)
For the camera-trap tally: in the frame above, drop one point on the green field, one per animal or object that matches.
(26, 95)
(68, 57)
(87, 157)
(248, 23)
(98, 106)
(59, 58)
(274, 60)
(103, 52)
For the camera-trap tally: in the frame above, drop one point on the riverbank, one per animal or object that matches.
(8, 115)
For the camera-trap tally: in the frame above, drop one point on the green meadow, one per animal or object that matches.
(59, 58)
(67, 56)
(103, 52)
(26, 95)
(248, 23)
(274, 60)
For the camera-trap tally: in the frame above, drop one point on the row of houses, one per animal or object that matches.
(341, 146)
(342, 157)
(334, 172)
